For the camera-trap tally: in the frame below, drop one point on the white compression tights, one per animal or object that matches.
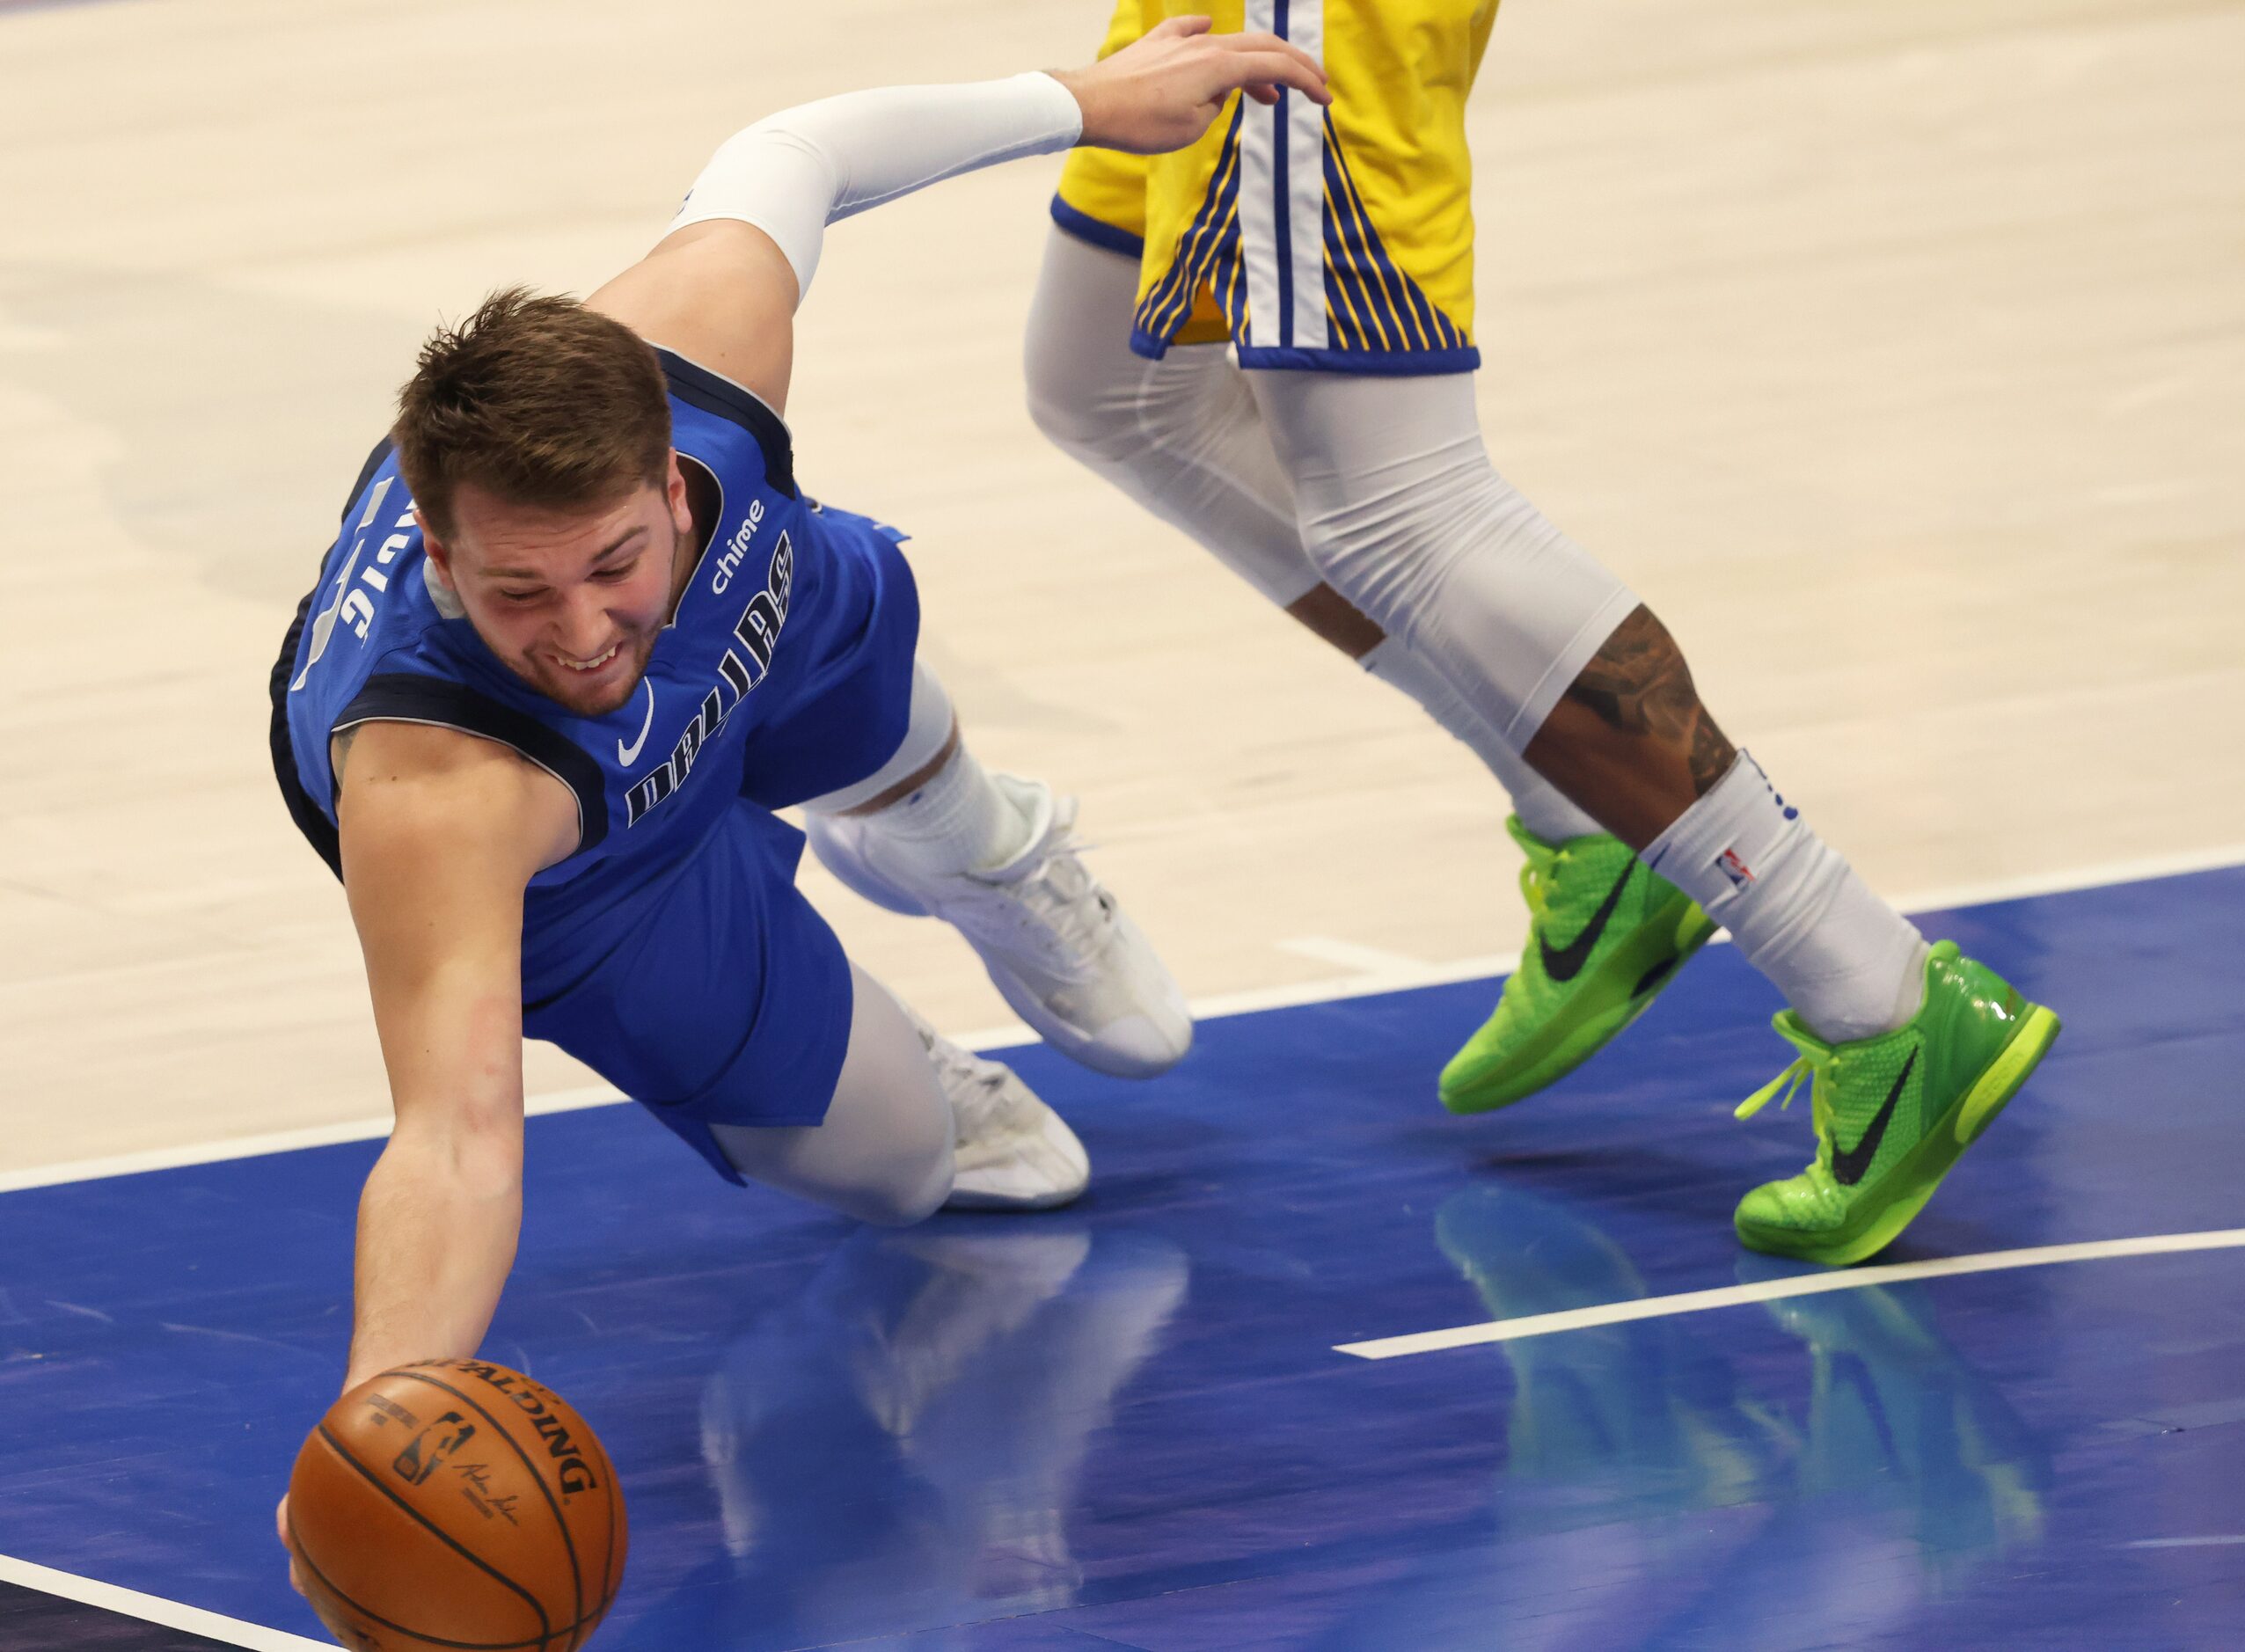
(1193, 441)
(883, 1153)
(1403, 513)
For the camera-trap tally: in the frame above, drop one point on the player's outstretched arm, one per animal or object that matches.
(442, 833)
(722, 285)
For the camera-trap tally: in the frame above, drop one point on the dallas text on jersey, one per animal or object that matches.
(743, 668)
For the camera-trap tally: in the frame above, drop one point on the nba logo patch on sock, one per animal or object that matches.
(1738, 870)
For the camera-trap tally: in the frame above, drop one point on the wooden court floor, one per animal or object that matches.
(1895, 351)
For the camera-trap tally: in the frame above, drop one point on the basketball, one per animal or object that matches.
(460, 1505)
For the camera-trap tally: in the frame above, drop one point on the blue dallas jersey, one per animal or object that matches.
(784, 674)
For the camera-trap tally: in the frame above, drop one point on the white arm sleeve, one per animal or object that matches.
(792, 173)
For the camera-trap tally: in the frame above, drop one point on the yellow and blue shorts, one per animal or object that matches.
(1339, 240)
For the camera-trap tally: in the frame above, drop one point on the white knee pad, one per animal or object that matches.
(1181, 436)
(1401, 511)
(925, 734)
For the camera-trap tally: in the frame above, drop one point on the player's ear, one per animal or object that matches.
(440, 555)
(436, 572)
(674, 492)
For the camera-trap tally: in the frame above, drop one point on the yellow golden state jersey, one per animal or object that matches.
(1338, 238)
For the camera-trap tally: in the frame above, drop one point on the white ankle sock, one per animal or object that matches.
(1850, 965)
(957, 821)
(1542, 807)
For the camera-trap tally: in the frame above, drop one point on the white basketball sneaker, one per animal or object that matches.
(1010, 1151)
(1055, 944)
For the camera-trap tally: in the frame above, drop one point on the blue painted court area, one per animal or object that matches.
(1126, 1425)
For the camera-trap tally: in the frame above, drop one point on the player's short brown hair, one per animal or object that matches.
(537, 399)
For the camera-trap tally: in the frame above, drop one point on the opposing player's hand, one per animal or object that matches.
(1162, 90)
(296, 1564)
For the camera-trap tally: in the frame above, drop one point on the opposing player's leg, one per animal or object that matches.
(1911, 1050)
(1183, 436)
(932, 833)
(915, 1124)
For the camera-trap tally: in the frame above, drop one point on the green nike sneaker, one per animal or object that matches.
(1908, 1103)
(1627, 931)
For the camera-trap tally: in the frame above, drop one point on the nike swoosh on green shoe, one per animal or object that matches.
(1905, 1105)
(1626, 931)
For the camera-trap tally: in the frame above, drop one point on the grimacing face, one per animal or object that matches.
(570, 601)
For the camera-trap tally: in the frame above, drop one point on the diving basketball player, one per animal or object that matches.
(581, 633)
(1332, 457)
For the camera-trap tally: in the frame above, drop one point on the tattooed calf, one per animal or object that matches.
(1639, 683)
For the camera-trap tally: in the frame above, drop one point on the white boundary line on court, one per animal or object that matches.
(154, 1609)
(1402, 977)
(1777, 1290)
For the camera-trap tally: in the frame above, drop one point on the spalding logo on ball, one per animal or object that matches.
(458, 1505)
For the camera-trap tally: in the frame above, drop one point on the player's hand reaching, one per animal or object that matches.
(1162, 90)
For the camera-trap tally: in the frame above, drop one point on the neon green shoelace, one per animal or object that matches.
(1536, 876)
(1816, 1065)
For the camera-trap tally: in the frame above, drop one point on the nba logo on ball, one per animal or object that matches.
(431, 1446)
(461, 1505)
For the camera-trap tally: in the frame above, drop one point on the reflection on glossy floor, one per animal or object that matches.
(1128, 1425)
